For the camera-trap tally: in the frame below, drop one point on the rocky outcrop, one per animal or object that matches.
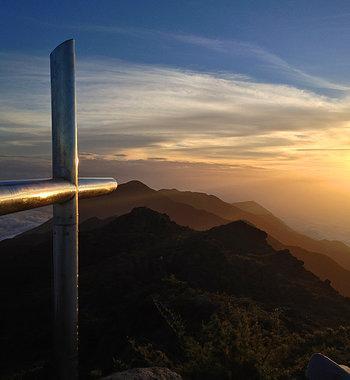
(152, 373)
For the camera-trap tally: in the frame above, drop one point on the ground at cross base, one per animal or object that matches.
(151, 373)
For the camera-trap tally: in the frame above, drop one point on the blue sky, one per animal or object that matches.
(169, 73)
(310, 36)
(245, 99)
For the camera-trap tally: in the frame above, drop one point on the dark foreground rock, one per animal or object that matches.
(210, 305)
(152, 373)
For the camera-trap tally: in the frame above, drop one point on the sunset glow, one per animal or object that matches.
(275, 125)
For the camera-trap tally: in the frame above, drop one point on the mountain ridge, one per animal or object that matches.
(135, 193)
(197, 210)
(141, 274)
(279, 230)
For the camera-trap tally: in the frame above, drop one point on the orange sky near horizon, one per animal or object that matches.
(226, 134)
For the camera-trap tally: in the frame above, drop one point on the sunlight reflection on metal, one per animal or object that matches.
(28, 194)
(63, 191)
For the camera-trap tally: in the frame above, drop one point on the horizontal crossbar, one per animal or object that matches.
(28, 194)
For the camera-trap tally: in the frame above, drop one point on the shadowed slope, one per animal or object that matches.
(197, 210)
(262, 218)
(328, 260)
(321, 265)
(136, 194)
(133, 265)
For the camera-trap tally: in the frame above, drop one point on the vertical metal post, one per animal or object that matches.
(65, 215)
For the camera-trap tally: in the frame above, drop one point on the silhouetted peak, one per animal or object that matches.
(240, 235)
(190, 194)
(136, 185)
(149, 214)
(240, 226)
(252, 207)
(146, 220)
(134, 188)
(204, 201)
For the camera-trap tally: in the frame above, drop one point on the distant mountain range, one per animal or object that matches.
(220, 303)
(329, 260)
(264, 219)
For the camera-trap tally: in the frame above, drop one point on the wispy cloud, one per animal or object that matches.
(235, 47)
(228, 47)
(140, 111)
(223, 46)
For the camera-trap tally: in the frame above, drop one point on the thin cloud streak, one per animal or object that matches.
(229, 47)
(223, 46)
(140, 111)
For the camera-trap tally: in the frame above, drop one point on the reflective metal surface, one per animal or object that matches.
(65, 215)
(63, 112)
(24, 195)
(63, 191)
(93, 187)
(27, 194)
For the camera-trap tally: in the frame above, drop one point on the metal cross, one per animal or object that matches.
(63, 191)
